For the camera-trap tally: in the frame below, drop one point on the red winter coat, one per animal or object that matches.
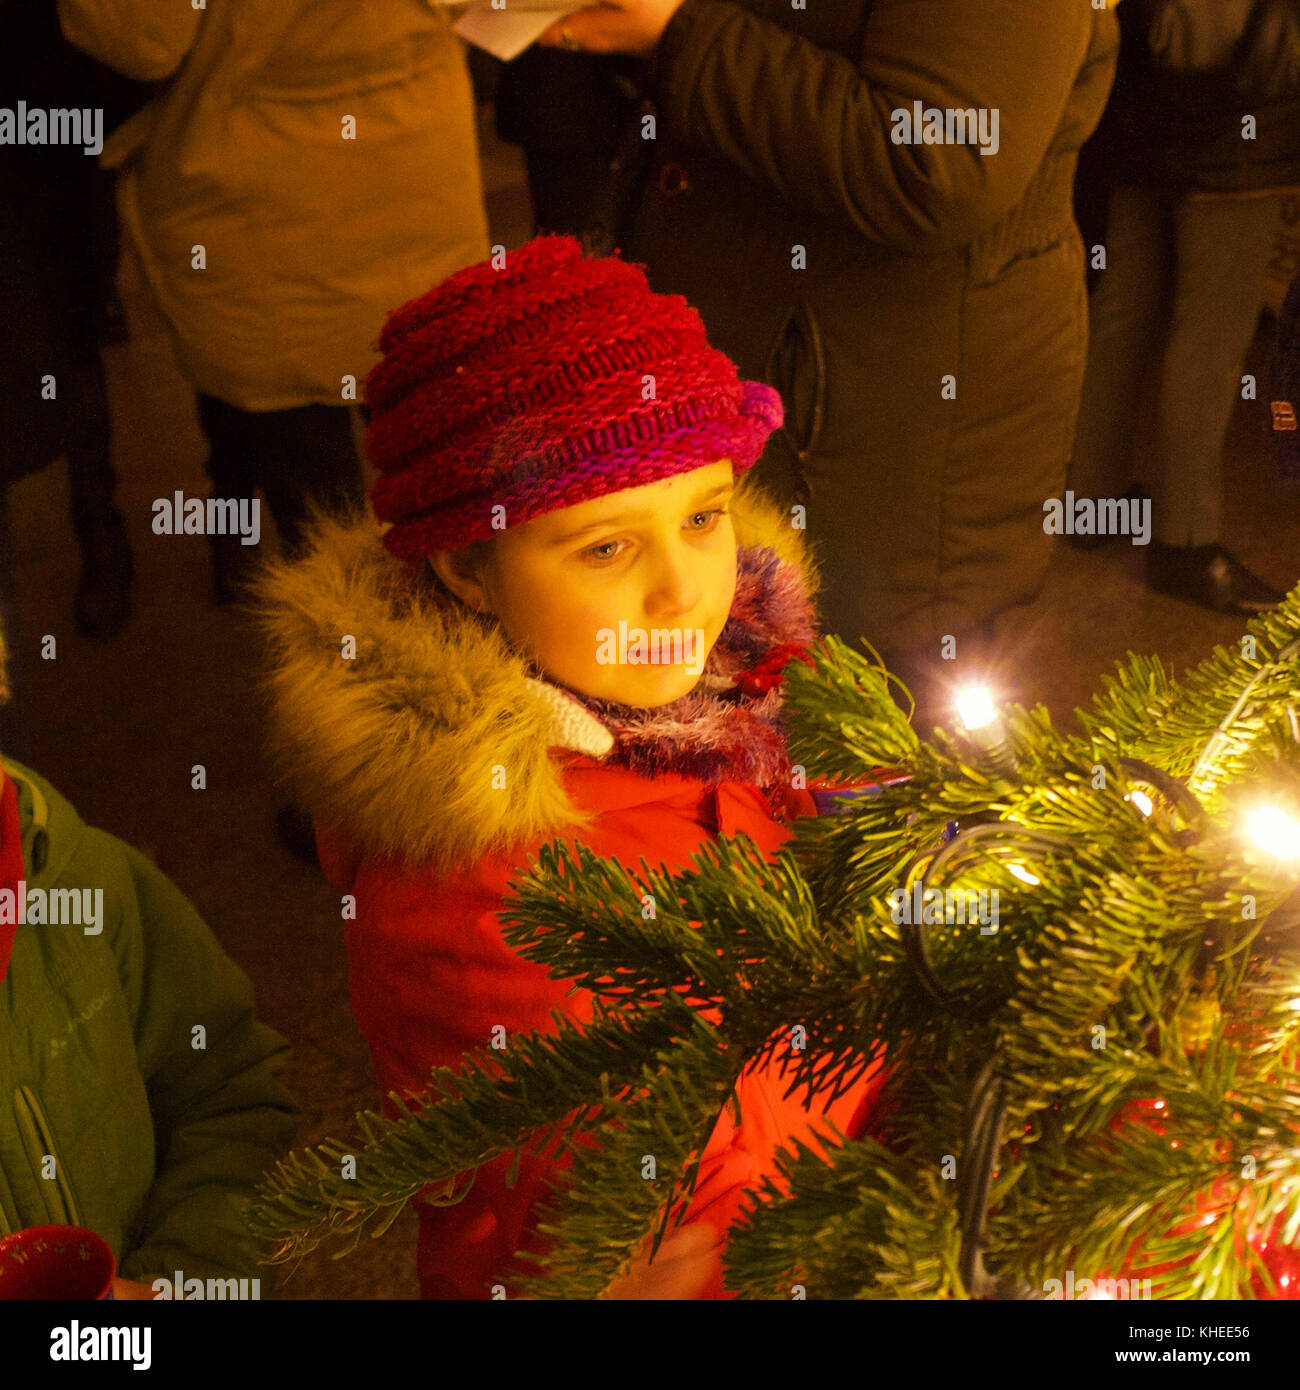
(393, 753)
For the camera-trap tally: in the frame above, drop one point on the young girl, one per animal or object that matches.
(572, 628)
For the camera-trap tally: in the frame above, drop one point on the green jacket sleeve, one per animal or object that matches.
(221, 1115)
(139, 38)
(816, 127)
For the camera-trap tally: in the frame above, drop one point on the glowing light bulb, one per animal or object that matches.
(1141, 800)
(1019, 871)
(1274, 831)
(975, 707)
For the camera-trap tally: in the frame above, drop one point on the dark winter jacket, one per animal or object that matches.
(862, 276)
(1231, 130)
(154, 1139)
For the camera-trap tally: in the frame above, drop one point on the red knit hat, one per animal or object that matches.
(540, 385)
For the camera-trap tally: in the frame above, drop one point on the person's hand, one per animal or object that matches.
(687, 1261)
(618, 26)
(127, 1291)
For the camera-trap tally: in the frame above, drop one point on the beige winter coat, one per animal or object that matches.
(308, 166)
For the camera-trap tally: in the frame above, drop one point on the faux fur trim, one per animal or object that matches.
(425, 738)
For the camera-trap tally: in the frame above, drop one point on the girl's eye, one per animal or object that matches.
(606, 552)
(602, 552)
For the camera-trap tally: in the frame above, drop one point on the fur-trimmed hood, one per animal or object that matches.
(395, 712)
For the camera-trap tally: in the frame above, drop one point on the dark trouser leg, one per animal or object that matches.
(310, 463)
(91, 479)
(1128, 311)
(232, 465)
(1222, 250)
(15, 733)
(104, 587)
(106, 242)
(232, 452)
(1223, 246)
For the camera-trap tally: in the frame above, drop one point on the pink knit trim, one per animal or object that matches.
(523, 386)
(460, 523)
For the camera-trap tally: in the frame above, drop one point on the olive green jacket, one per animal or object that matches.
(139, 1096)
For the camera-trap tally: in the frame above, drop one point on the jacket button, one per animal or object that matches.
(673, 180)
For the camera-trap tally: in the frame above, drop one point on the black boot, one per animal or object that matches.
(104, 590)
(1210, 576)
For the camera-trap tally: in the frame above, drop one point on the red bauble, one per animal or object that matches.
(1283, 1263)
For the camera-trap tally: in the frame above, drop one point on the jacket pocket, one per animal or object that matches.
(796, 367)
(38, 1143)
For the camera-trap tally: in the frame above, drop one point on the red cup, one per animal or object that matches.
(56, 1262)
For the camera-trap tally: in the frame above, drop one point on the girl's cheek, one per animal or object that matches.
(586, 634)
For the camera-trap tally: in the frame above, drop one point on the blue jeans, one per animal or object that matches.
(1171, 318)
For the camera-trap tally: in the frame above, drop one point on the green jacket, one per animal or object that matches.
(154, 1138)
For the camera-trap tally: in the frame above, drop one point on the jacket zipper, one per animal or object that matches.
(39, 1142)
(33, 1128)
(40, 814)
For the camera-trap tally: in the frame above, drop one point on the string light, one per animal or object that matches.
(984, 728)
(1141, 800)
(1274, 831)
(975, 708)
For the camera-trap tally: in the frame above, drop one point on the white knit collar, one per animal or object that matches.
(572, 726)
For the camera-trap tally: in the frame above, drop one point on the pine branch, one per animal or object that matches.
(841, 716)
(642, 1174)
(870, 1226)
(1145, 713)
(545, 1086)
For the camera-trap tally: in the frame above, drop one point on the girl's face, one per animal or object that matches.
(620, 598)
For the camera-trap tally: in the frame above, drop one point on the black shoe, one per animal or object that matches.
(293, 829)
(103, 600)
(229, 568)
(1209, 576)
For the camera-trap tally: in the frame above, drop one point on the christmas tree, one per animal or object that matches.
(1078, 955)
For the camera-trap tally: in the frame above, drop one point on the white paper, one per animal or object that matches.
(505, 33)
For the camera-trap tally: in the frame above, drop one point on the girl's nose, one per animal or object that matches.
(674, 588)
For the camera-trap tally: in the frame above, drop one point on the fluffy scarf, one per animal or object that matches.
(731, 727)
